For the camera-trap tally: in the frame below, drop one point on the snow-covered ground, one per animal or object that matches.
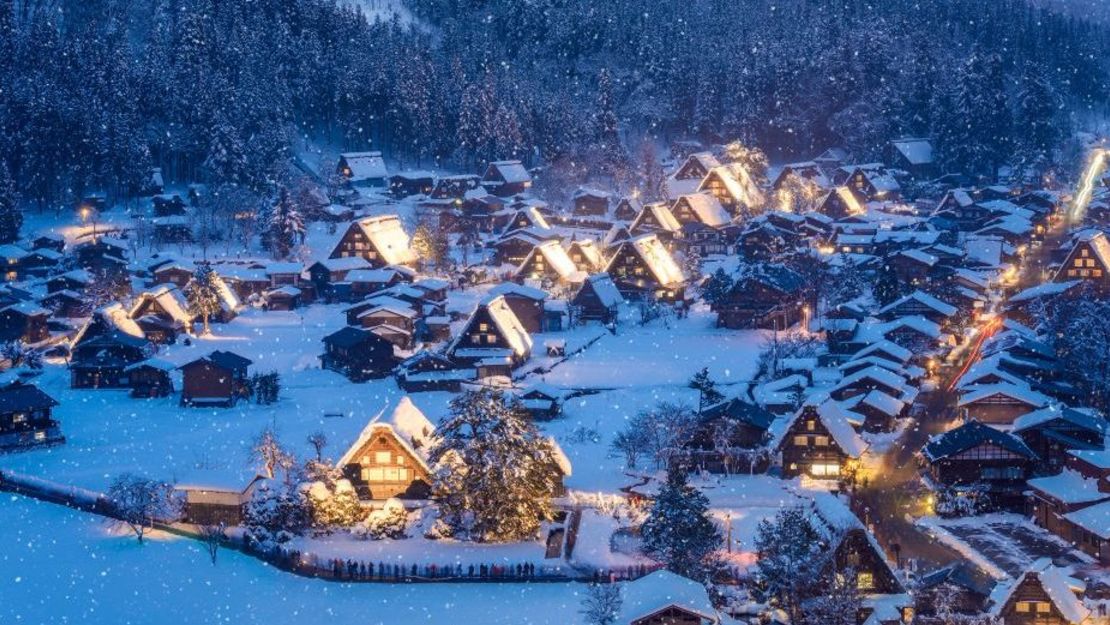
(60, 566)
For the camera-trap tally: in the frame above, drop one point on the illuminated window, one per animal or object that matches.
(19, 417)
(40, 436)
(801, 441)
(811, 425)
(1084, 252)
(382, 457)
(865, 581)
(491, 338)
(821, 441)
(400, 459)
(483, 327)
(824, 470)
(1043, 607)
(1079, 262)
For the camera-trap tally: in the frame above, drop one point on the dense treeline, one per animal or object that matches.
(97, 91)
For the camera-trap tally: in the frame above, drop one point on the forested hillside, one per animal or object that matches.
(96, 92)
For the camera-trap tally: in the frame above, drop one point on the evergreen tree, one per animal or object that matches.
(708, 394)
(11, 216)
(679, 531)
(495, 473)
(202, 294)
(286, 227)
(888, 287)
(792, 558)
(1038, 116)
(717, 287)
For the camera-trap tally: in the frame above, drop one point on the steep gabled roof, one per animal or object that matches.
(660, 590)
(970, 435)
(365, 165)
(1059, 587)
(389, 238)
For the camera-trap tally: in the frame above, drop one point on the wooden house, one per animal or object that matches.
(914, 156)
(24, 321)
(1000, 403)
(549, 263)
(819, 442)
(381, 241)
(598, 299)
(956, 588)
(506, 178)
(1089, 260)
(586, 255)
(919, 303)
(839, 204)
(284, 298)
(700, 208)
(455, 187)
(167, 304)
(655, 218)
(696, 166)
(809, 172)
(728, 438)
(39, 263)
(873, 182)
(590, 202)
(1053, 497)
(977, 455)
(358, 354)
(26, 418)
(527, 303)
(49, 241)
(734, 188)
(770, 298)
(65, 304)
(176, 273)
(102, 254)
(665, 598)
(74, 281)
(492, 335)
(209, 504)
(389, 458)
(150, 378)
(514, 247)
(879, 409)
(101, 361)
(168, 205)
(11, 259)
(1042, 595)
(430, 371)
(219, 378)
(627, 209)
(408, 183)
(914, 266)
(363, 169)
(642, 268)
(542, 401)
(1054, 432)
(365, 282)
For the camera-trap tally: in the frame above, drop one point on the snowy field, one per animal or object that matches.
(60, 566)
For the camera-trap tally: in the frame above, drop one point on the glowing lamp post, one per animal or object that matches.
(87, 213)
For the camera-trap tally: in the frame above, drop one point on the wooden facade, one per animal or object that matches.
(384, 466)
(217, 379)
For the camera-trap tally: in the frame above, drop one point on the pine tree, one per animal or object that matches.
(792, 558)
(717, 287)
(888, 287)
(496, 474)
(202, 294)
(708, 394)
(1038, 115)
(286, 228)
(679, 531)
(11, 216)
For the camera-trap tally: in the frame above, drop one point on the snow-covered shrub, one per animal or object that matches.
(276, 513)
(332, 508)
(388, 522)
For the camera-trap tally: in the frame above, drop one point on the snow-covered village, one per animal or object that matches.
(555, 313)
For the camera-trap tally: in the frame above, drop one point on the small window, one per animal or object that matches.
(801, 441)
(821, 441)
(1043, 607)
(865, 581)
(382, 457)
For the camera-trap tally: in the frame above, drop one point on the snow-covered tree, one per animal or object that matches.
(706, 388)
(334, 507)
(276, 513)
(389, 521)
(717, 287)
(495, 474)
(202, 294)
(792, 558)
(269, 455)
(679, 531)
(11, 216)
(286, 227)
(137, 502)
(602, 604)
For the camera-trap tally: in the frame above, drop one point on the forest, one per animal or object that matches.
(97, 92)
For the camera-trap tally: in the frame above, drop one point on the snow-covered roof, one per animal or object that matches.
(707, 208)
(555, 257)
(589, 249)
(561, 459)
(365, 165)
(349, 263)
(886, 347)
(663, 216)
(389, 238)
(1023, 394)
(837, 421)
(915, 151)
(411, 427)
(605, 290)
(661, 590)
(738, 182)
(659, 261)
(1046, 289)
(884, 403)
(512, 288)
(925, 299)
(1095, 519)
(1069, 487)
(169, 298)
(1060, 588)
(380, 276)
(512, 172)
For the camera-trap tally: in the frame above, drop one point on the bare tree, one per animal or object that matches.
(319, 441)
(212, 536)
(602, 604)
(138, 502)
(268, 453)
